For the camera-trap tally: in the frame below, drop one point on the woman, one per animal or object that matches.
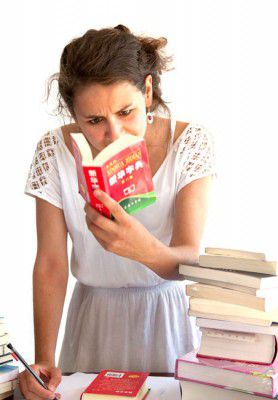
(129, 309)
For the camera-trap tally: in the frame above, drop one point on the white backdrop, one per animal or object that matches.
(225, 77)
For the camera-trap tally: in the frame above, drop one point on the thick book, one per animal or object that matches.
(255, 348)
(267, 302)
(256, 379)
(230, 312)
(121, 170)
(218, 251)
(8, 373)
(122, 385)
(239, 264)
(198, 391)
(252, 280)
(237, 326)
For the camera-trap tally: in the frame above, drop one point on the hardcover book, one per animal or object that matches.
(121, 169)
(121, 385)
(257, 379)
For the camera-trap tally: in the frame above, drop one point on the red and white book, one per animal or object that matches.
(121, 169)
(256, 379)
(121, 385)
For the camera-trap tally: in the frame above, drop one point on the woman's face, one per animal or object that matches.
(104, 113)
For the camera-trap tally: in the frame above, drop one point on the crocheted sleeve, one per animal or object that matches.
(43, 179)
(196, 157)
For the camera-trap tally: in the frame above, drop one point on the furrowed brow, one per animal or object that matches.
(100, 116)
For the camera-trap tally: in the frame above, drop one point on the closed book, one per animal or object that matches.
(8, 386)
(268, 302)
(239, 264)
(256, 379)
(252, 280)
(121, 170)
(218, 251)
(198, 391)
(231, 312)
(8, 373)
(237, 326)
(121, 385)
(255, 348)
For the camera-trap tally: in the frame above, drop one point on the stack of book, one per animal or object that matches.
(235, 301)
(8, 373)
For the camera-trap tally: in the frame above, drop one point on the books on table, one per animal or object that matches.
(8, 373)
(235, 300)
(121, 169)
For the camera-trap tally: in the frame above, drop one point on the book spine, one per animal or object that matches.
(95, 179)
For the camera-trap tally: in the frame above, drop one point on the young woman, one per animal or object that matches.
(129, 309)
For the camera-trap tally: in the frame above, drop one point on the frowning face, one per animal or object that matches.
(104, 113)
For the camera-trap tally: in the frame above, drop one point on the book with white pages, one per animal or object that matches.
(220, 251)
(255, 348)
(252, 280)
(198, 391)
(237, 326)
(238, 264)
(267, 303)
(217, 310)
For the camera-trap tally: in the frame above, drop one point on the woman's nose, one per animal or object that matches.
(114, 130)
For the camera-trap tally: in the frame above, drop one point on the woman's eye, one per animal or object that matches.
(95, 121)
(125, 112)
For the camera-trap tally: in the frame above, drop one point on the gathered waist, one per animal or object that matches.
(164, 286)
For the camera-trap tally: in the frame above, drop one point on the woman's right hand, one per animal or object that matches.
(32, 390)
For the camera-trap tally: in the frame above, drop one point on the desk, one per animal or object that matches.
(72, 385)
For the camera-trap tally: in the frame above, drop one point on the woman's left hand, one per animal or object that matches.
(124, 236)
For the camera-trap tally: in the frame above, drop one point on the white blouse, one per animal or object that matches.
(122, 315)
(53, 178)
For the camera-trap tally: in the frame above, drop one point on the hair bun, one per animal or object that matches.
(122, 28)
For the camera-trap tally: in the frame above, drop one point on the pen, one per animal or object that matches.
(17, 356)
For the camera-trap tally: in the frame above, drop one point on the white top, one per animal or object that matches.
(53, 178)
(122, 315)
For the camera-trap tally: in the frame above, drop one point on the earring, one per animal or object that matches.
(149, 117)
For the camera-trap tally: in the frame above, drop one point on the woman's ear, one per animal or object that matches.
(149, 90)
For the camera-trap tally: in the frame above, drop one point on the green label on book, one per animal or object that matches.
(133, 204)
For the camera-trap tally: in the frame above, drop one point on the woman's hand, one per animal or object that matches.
(124, 236)
(32, 390)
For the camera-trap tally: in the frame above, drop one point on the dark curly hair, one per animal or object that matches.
(108, 56)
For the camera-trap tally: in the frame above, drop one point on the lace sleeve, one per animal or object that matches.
(196, 157)
(43, 179)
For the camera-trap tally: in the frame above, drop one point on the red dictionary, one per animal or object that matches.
(112, 384)
(121, 169)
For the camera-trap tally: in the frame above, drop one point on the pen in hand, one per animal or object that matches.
(16, 355)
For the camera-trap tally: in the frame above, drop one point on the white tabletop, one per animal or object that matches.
(71, 387)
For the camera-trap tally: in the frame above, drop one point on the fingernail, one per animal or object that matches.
(58, 395)
(96, 192)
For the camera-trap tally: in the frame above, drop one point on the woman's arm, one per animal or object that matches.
(50, 278)
(127, 237)
(190, 217)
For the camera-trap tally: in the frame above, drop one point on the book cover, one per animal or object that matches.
(122, 170)
(126, 385)
(252, 378)
(238, 264)
(237, 326)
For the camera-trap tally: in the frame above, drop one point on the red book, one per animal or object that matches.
(121, 169)
(112, 385)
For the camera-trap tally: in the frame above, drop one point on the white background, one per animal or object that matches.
(225, 77)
